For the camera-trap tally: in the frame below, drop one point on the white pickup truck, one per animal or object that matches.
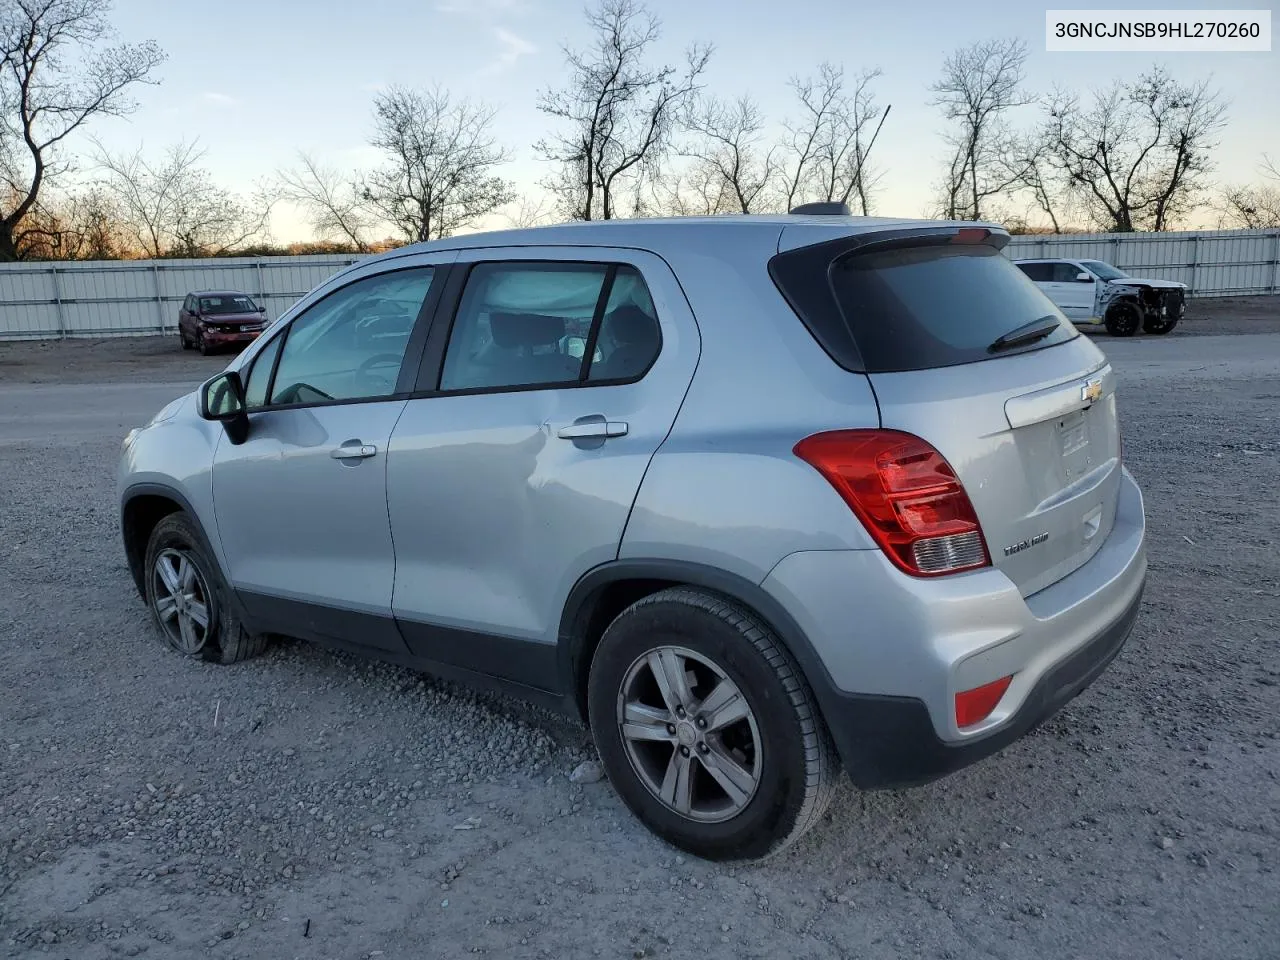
(1092, 292)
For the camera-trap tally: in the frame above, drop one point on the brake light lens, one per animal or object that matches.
(971, 235)
(906, 495)
(974, 706)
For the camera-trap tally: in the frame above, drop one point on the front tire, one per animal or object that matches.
(1123, 319)
(1159, 325)
(188, 599)
(202, 344)
(707, 728)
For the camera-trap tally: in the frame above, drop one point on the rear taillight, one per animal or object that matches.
(906, 495)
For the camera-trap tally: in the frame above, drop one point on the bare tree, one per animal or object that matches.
(1022, 163)
(1140, 153)
(819, 98)
(440, 175)
(527, 211)
(979, 85)
(728, 156)
(619, 112)
(172, 207)
(332, 201)
(1250, 208)
(825, 150)
(57, 73)
(79, 226)
(1270, 169)
(698, 189)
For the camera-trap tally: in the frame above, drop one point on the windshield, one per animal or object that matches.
(922, 307)
(1103, 271)
(228, 303)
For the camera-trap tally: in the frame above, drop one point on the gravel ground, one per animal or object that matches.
(312, 805)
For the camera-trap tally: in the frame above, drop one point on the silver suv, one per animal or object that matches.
(755, 497)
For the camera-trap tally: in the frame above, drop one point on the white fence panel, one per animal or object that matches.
(122, 298)
(131, 297)
(1213, 263)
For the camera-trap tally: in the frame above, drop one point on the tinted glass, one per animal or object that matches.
(1039, 272)
(520, 324)
(629, 337)
(1066, 273)
(350, 345)
(255, 387)
(921, 307)
(230, 303)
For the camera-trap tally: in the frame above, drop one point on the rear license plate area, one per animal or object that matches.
(1073, 437)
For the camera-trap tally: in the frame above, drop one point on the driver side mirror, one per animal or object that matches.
(1083, 277)
(222, 399)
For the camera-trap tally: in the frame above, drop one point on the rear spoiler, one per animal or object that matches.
(801, 272)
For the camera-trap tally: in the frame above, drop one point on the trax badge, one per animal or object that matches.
(1091, 391)
(1039, 538)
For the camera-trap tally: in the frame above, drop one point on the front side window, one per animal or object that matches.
(351, 344)
(259, 379)
(1065, 273)
(524, 324)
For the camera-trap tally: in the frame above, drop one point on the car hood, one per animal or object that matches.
(1154, 284)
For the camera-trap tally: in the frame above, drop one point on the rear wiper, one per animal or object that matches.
(1027, 333)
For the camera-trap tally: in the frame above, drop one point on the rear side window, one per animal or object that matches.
(1039, 272)
(934, 306)
(529, 324)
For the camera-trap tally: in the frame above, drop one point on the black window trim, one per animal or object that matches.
(432, 368)
(413, 352)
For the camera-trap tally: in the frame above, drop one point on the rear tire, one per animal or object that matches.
(177, 563)
(1123, 319)
(752, 783)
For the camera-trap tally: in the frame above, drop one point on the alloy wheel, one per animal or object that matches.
(690, 734)
(181, 601)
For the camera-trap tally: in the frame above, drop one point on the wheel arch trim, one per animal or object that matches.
(579, 604)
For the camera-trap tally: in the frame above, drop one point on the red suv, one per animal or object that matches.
(218, 318)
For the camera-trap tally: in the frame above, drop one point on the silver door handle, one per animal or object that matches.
(353, 451)
(594, 428)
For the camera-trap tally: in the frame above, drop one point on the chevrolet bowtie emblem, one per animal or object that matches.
(1091, 391)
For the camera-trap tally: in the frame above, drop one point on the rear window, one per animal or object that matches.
(919, 307)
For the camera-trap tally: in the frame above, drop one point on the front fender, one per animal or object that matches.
(174, 458)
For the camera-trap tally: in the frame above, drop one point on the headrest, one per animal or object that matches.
(630, 324)
(512, 330)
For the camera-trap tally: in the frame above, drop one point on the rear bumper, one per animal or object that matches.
(889, 742)
(894, 651)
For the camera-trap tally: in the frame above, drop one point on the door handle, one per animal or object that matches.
(353, 451)
(593, 429)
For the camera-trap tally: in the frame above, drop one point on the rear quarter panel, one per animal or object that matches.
(725, 489)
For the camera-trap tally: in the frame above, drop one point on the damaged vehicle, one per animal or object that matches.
(1094, 292)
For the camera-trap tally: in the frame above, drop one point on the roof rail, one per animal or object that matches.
(823, 209)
